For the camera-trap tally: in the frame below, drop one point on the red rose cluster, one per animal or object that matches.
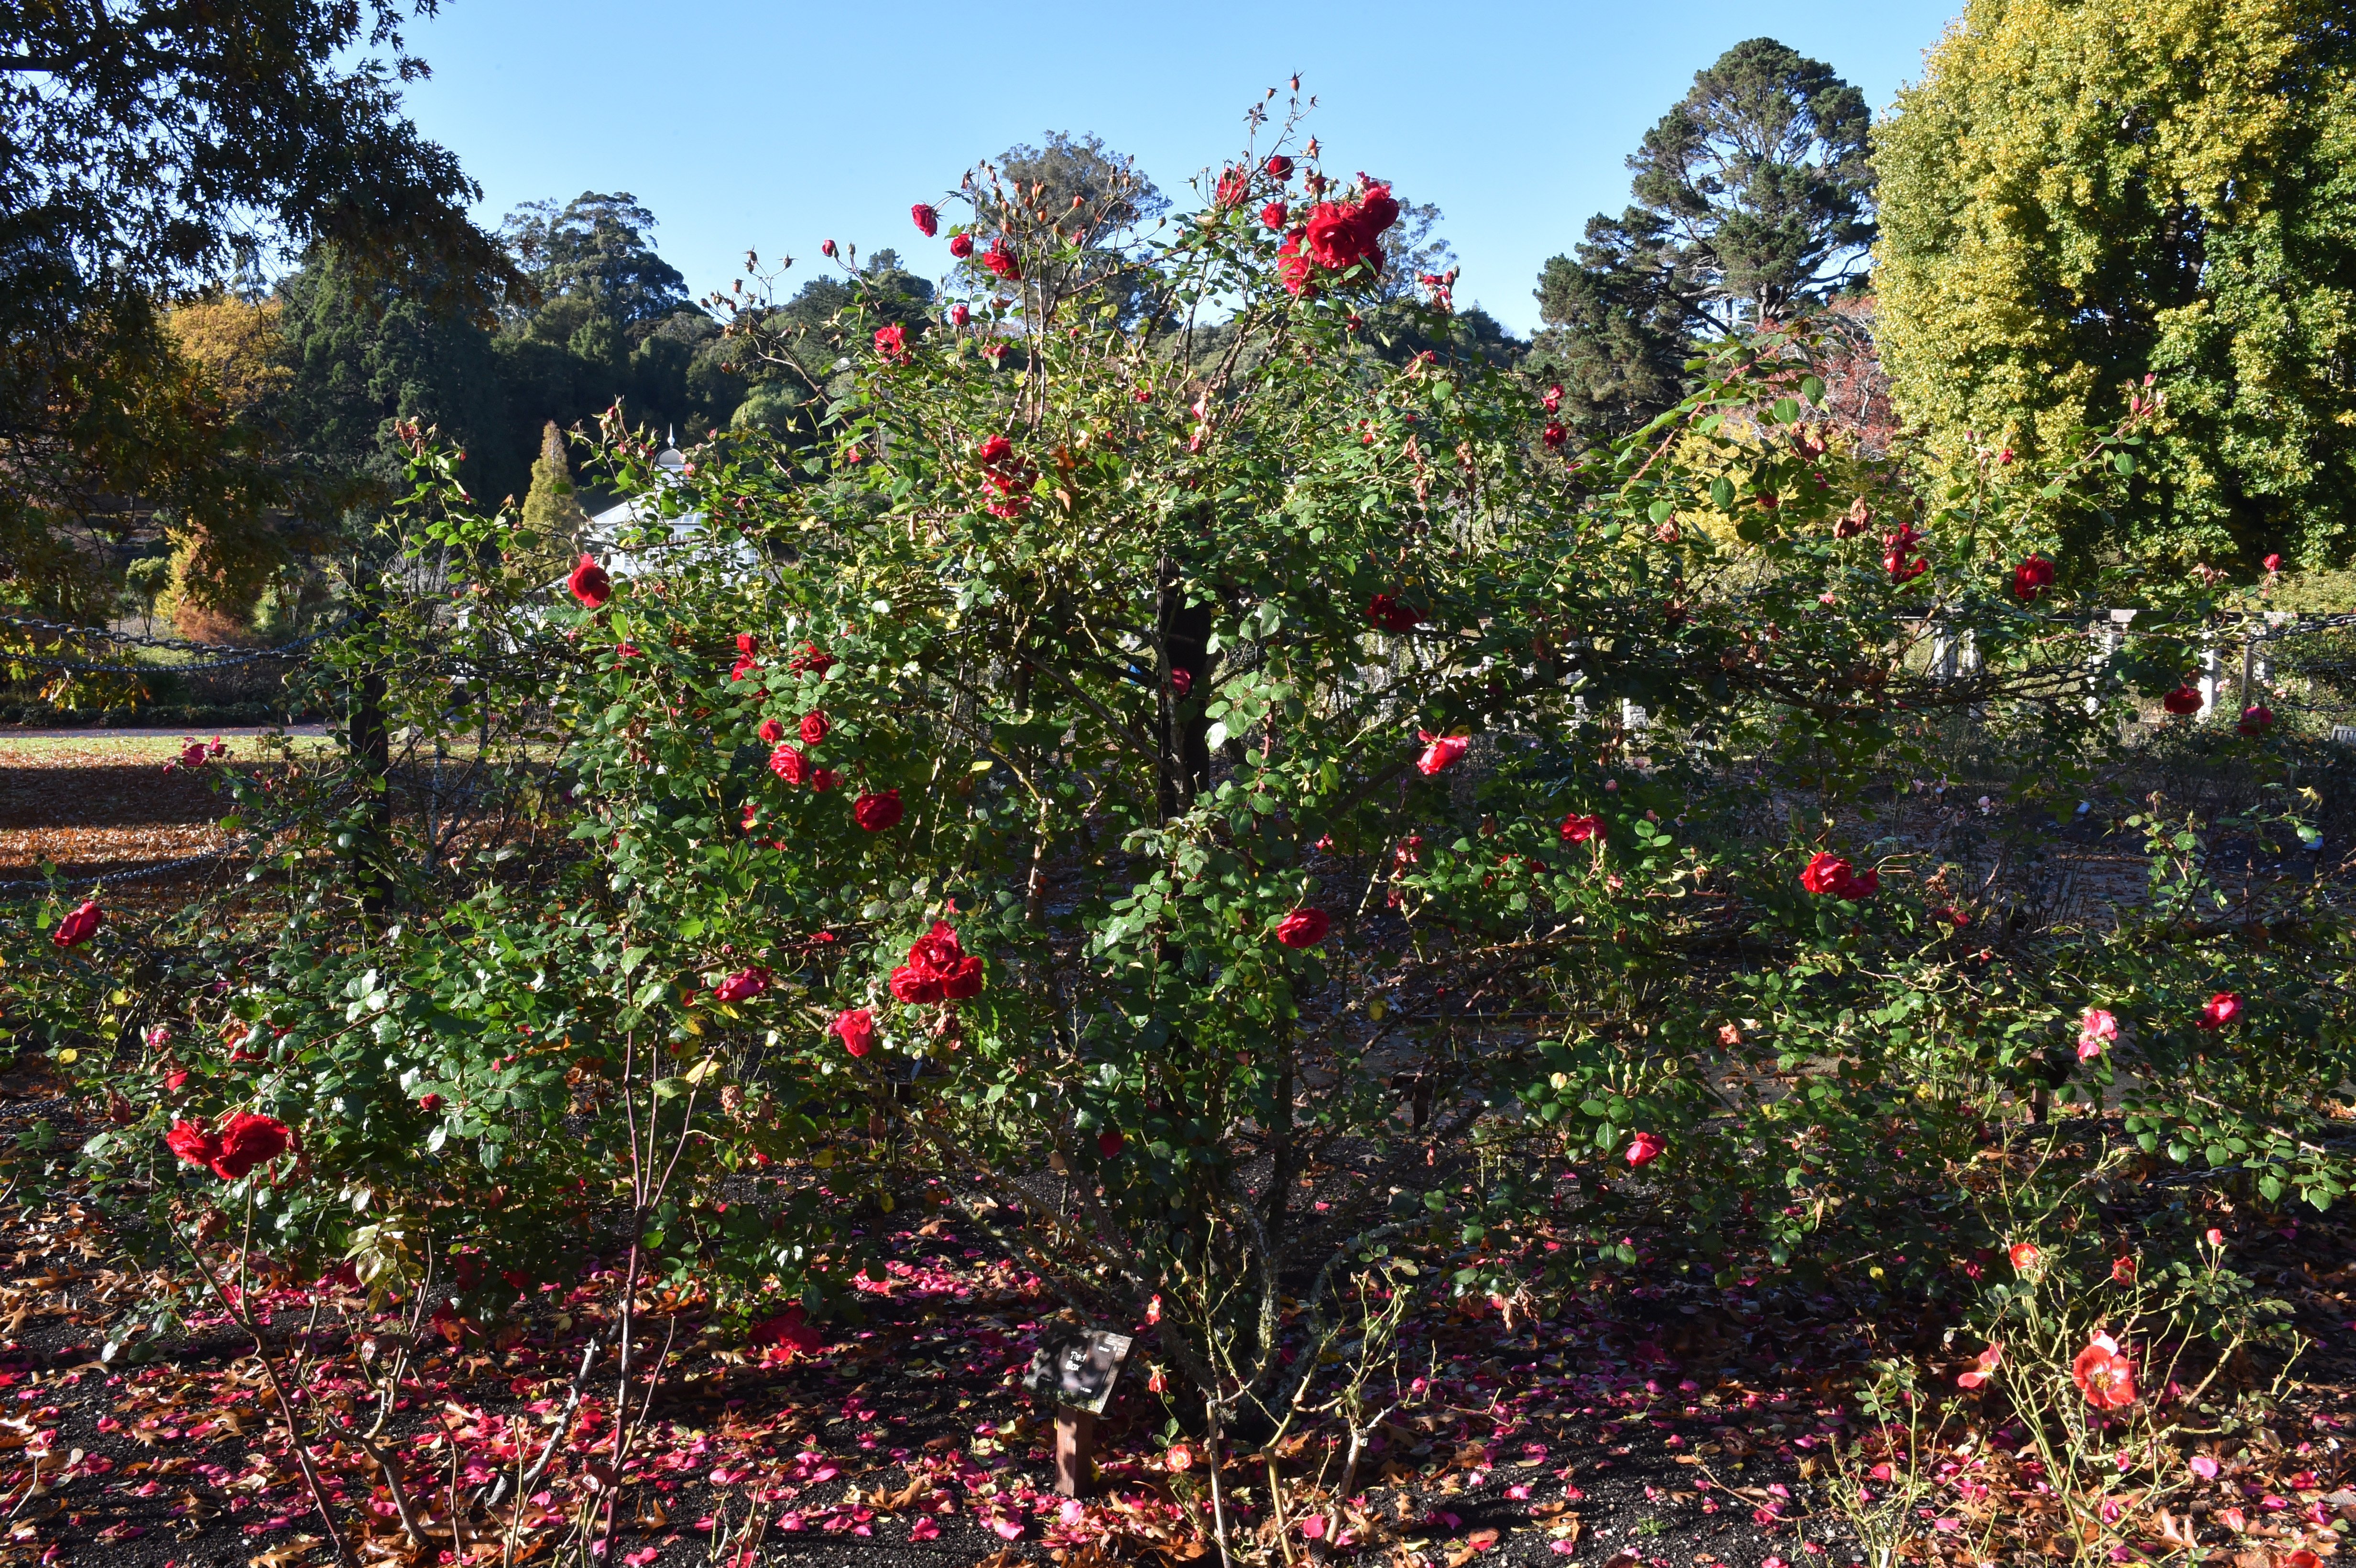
(1337, 237)
(246, 1141)
(1899, 557)
(1828, 873)
(938, 970)
(1005, 477)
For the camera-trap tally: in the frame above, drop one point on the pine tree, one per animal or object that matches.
(551, 511)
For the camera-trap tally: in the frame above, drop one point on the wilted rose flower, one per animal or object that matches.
(877, 812)
(2221, 1009)
(1578, 829)
(1439, 751)
(960, 246)
(1303, 928)
(790, 763)
(589, 582)
(2184, 701)
(1234, 184)
(2256, 720)
(1391, 615)
(2103, 1375)
(247, 1141)
(1984, 1369)
(2031, 578)
(742, 986)
(814, 727)
(927, 218)
(855, 1027)
(1643, 1149)
(2123, 1269)
(79, 926)
(1110, 1143)
(2096, 1029)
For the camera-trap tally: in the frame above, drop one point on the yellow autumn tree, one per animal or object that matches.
(2083, 193)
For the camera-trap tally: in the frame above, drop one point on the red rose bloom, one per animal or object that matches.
(2273, 563)
(1279, 168)
(429, 1104)
(247, 1141)
(938, 970)
(959, 316)
(814, 727)
(789, 763)
(1275, 215)
(2031, 578)
(1303, 928)
(994, 451)
(772, 732)
(1391, 615)
(79, 926)
(2184, 701)
(1110, 1143)
(1554, 435)
(1644, 1148)
(2221, 1009)
(2103, 1375)
(807, 660)
(1002, 262)
(960, 246)
(192, 1142)
(1182, 682)
(742, 986)
(1553, 398)
(877, 812)
(589, 582)
(1294, 269)
(892, 341)
(1578, 829)
(1827, 873)
(1439, 751)
(1899, 559)
(824, 779)
(856, 1028)
(2256, 720)
(927, 218)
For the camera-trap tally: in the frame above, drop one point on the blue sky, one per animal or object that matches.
(773, 127)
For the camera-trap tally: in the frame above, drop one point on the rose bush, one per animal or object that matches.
(1266, 777)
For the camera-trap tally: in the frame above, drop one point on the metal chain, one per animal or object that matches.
(245, 656)
(129, 639)
(48, 884)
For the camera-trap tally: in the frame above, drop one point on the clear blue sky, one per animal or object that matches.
(775, 126)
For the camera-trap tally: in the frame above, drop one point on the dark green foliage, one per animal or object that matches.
(1752, 201)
